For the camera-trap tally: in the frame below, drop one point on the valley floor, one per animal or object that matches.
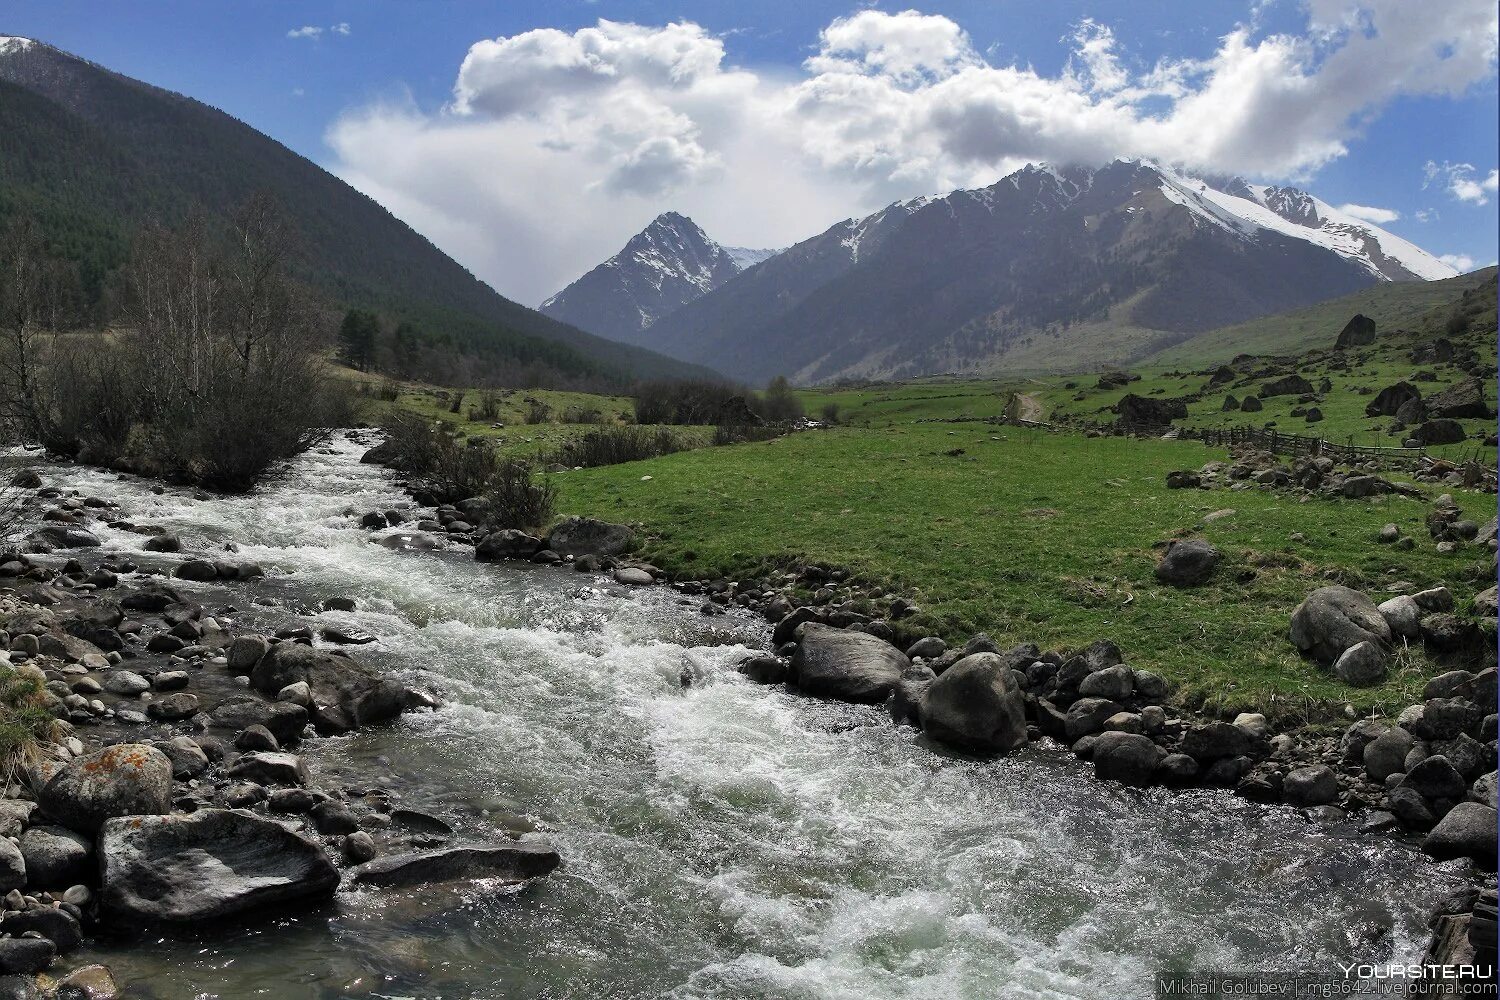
(1031, 535)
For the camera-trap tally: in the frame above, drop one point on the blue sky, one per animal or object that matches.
(786, 126)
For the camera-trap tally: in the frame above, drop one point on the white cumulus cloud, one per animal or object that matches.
(1460, 262)
(1379, 216)
(315, 32)
(557, 145)
(1461, 181)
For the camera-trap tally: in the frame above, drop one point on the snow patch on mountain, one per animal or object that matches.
(14, 43)
(1247, 208)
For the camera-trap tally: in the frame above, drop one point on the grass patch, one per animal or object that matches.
(1040, 537)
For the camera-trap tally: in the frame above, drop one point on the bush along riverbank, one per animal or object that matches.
(154, 780)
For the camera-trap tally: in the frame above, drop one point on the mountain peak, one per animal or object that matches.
(15, 43)
(664, 266)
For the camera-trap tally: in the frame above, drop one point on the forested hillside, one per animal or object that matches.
(92, 154)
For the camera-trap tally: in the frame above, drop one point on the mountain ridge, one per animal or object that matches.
(1043, 267)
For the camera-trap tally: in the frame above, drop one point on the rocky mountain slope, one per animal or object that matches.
(1047, 269)
(92, 154)
(665, 266)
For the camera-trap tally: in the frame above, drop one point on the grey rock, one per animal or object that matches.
(284, 720)
(206, 865)
(507, 544)
(515, 862)
(128, 779)
(173, 707)
(245, 652)
(1115, 683)
(634, 576)
(1386, 754)
(1362, 665)
(1310, 786)
(976, 705)
(125, 683)
(270, 768)
(1126, 757)
(1402, 615)
(53, 923)
(12, 867)
(26, 956)
(56, 857)
(1467, 831)
(1087, 716)
(1436, 778)
(345, 694)
(1332, 619)
(1188, 563)
(847, 665)
(1215, 740)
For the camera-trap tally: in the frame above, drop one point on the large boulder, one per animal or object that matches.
(1215, 740)
(976, 704)
(1460, 400)
(52, 537)
(1385, 755)
(128, 779)
(1332, 619)
(283, 719)
(586, 536)
(1467, 831)
(512, 862)
(1126, 757)
(850, 666)
(345, 694)
(1187, 563)
(1358, 332)
(1388, 401)
(1287, 385)
(1150, 411)
(1440, 431)
(1310, 786)
(206, 865)
(507, 544)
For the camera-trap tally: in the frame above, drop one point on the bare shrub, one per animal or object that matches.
(517, 497)
(537, 412)
(691, 401)
(488, 409)
(613, 445)
(580, 415)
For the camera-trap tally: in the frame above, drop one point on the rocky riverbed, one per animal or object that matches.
(718, 836)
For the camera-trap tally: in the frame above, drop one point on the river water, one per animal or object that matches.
(722, 839)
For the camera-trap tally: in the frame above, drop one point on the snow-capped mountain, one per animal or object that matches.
(666, 265)
(1247, 208)
(1048, 268)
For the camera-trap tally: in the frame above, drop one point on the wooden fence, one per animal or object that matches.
(1281, 443)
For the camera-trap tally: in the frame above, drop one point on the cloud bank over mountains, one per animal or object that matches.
(557, 145)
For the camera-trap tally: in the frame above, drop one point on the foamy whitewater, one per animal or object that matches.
(722, 839)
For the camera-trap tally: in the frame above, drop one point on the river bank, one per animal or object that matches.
(731, 839)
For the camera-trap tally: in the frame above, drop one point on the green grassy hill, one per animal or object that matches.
(1416, 306)
(93, 154)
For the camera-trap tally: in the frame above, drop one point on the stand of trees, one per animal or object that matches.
(217, 378)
